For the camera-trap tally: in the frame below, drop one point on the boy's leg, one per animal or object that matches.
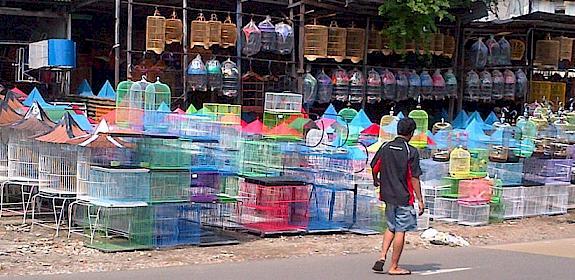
(396, 254)
(387, 240)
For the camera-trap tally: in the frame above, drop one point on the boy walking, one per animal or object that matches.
(396, 171)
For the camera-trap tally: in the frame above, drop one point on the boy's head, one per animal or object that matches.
(405, 128)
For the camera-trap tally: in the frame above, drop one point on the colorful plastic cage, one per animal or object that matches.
(547, 170)
(130, 105)
(224, 113)
(169, 185)
(157, 100)
(118, 184)
(163, 153)
(283, 102)
(330, 209)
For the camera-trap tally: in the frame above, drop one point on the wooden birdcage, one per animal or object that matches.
(336, 42)
(448, 45)
(355, 44)
(424, 45)
(437, 44)
(229, 33)
(253, 91)
(565, 47)
(374, 40)
(215, 27)
(200, 32)
(517, 49)
(156, 33)
(315, 41)
(174, 29)
(385, 48)
(547, 52)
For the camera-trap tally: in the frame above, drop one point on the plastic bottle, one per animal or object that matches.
(389, 85)
(478, 54)
(374, 87)
(414, 85)
(340, 82)
(522, 85)
(356, 86)
(438, 85)
(309, 89)
(402, 85)
(498, 85)
(472, 86)
(450, 84)
(426, 85)
(485, 86)
(505, 51)
(197, 75)
(510, 81)
(324, 87)
(493, 51)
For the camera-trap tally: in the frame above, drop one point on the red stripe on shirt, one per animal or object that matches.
(410, 187)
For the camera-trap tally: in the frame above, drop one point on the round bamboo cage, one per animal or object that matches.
(200, 32)
(174, 29)
(566, 48)
(315, 41)
(156, 33)
(336, 42)
(547, 52)
(229, 33)
(448, 45)
(215, 27)
(438, 44)
(517, 49)
(355, 44)
(374, 40)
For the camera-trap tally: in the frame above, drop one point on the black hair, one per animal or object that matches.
(406, 127)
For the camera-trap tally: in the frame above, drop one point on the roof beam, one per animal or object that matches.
(24, 13)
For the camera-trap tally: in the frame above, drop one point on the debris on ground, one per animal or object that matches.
(436, 237)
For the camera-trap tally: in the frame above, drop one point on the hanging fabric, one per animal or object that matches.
(174, 29)
(156, 32)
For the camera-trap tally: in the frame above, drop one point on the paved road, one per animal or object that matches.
(541, 260)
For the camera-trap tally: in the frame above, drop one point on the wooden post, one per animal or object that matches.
(239, 47)
(117, 44)
(129, 42)
(185, 47)
(301, 59)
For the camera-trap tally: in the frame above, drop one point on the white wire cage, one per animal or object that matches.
(57, 168)
(23, 160)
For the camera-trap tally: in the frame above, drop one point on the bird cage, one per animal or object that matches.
(421, 119)
(309, 89)
(426, 88)
(509, 87)
(505, 58)
(4, 155)
(118, 184)
(472, 83)
(425, 44)
(157, 107)
(517, 49)
(385, 45)
(498, 85)
(450, 84)
(493, 51)
(389, 85)
(156, 33)
(340, 81)
(214, 71)
(438, 43)
(253, 91)
(356, 86)
(269, 36)
(414, 85)
(410, 47)
(122, 111)
(130, 108)
(374, 42)
(315, 41)
(374, 87)
(355, 44)
(448, 45)
(251, 39)
(565, 47)
(324, 87)
(200, 32)
(336, 42)
(478, 162)
(215, 28)
(485, 86)
(505, 143)
(174, 29)
(459, 163)
(231, 79)
(547, 52)
(438, 85)
(229, 34)
(197, 75)
(388, 127)
(23, 160)
(57, 168)
(285, 38)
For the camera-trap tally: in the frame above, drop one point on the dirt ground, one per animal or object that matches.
(37, 252)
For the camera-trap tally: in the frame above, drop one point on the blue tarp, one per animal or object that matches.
(107, 91)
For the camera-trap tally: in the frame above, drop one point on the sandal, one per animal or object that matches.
(378, 266)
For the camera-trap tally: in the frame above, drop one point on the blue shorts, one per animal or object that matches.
(400, 218)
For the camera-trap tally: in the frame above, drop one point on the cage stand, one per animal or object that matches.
(57, 210)
(26, 197)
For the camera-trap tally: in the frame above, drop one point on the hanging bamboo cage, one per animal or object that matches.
(156, 33)
(547, 52)
(438, 43)
(355, 45)
(448, 45)
(215, 27)
(517, 49)
(315, 41)
(174, 29)
(424, 45)
(200, 32)
(229, 33)
(385, 48)
(374, 41)
(565, 47)
(336, 42)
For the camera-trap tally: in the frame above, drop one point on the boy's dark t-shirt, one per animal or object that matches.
(396, 162)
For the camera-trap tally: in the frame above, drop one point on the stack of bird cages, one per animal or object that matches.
(58, 168)
(163, 153)
(433, 170)
(205, 186)
(513, 201)
(274, 205)
(23, 160)
(224, 113)
(283, 102)
(370, 216)
(547, 170)
(193, 127)
(176, 224)
(511, 174)
(4, 139)
(260, 158)
(111, 228)
(330, 209)
(557, 198)
(337, 171)
(473, 215)
(475, 191)
(534, 200)
(446, 209)
(203, 156)
(431, 191)
(169, 186)
(228, 135)
(229, 185)
(118, 184)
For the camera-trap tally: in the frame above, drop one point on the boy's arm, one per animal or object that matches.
(417, 189)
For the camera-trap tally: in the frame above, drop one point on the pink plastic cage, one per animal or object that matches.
(474, 192)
